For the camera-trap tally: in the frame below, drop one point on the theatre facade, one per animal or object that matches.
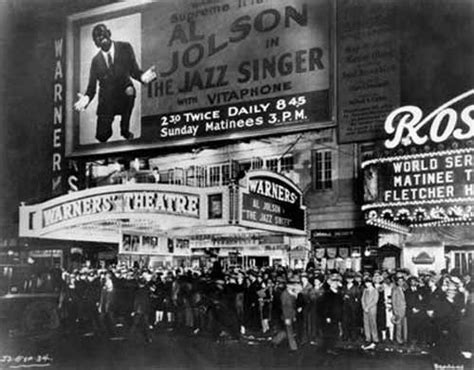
(419, 184)
(256, 219)
(217, 163)
(253, 148)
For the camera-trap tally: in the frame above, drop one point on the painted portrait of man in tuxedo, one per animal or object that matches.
(114, 77)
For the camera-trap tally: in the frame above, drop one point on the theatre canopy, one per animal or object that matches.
(262, 201)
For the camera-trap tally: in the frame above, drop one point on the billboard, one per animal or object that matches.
(368, 67)
(224, 70)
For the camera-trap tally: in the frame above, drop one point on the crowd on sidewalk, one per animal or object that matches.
(311, 307)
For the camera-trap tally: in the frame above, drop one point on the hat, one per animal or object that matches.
(349, 275)
(456, 280)
(293, 280)
(368, 279)
(378, 278)
(334, 277)
(281, 279)
(219, 281)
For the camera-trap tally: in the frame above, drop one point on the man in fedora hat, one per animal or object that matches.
(351, 308)
(331, 313)
(415, 311)
(288, 308)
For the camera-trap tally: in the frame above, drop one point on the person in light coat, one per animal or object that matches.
(399, 306)
(370, 297)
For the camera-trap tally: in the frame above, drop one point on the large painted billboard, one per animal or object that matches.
(224, 70)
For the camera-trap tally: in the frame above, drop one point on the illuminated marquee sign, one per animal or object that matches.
(407, 125)
(271, 201)
(225, 69)
(426, 175)
(123, 202)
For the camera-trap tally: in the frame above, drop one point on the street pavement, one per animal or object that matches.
(172, 350)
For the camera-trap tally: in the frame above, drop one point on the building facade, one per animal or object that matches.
(235, 97)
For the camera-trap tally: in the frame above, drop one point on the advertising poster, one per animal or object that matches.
(224, 70)
(368, 67)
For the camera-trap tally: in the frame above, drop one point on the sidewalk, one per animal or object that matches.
(387, 346)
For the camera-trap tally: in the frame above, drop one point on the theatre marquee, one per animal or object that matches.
(424, 174)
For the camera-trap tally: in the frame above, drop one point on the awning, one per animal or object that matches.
(263, 202)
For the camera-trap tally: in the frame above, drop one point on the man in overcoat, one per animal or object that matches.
(331, 313)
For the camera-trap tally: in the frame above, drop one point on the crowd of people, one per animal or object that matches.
(310, 307)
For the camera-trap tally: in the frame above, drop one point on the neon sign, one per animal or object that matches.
(407, 125)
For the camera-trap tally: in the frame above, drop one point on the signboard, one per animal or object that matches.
(425, 173)
(368, 67)
(152, 245)
(123, 202)
(225, 70)
(273, 202)
(104, 213)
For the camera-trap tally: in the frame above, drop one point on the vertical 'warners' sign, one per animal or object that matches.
(58, 118)
(225, 69)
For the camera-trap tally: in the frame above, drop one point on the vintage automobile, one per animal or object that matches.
(28, 299)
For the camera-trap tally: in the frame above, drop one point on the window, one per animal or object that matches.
(245, 166)
(257, 163)
(277, 164)
(463, 262)
(215, 175)
(322, 165)
(286, 164)
(225, 174)
(214, 206)
(272, 164)
(176, 176)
